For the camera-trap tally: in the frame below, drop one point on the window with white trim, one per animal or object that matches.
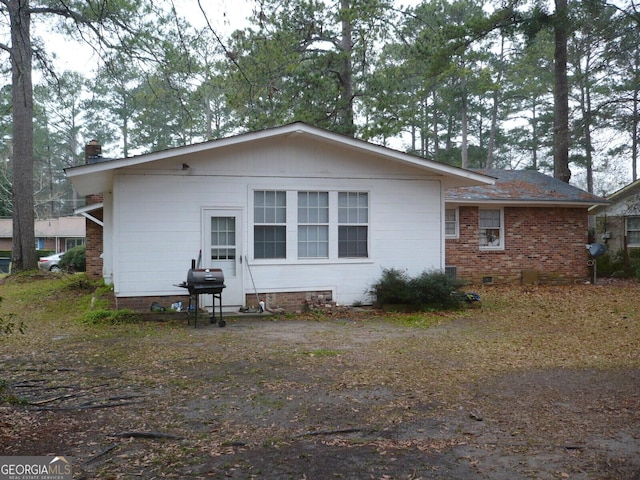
(633, 231)
(270, 224)
(353, 224)
(313, 224)
(491, 226)
(451, 228)
(327, 225)
(70, 243)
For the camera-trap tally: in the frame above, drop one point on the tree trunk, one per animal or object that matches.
(561, 95)
(534, 137)
(464, 154)
(634, 137)
(346, 75)
(23, 255)
(635, 121)
(494, 110)
(494, 127)
(587, 119)
(436, 131)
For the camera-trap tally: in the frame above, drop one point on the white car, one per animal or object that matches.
(51, 262)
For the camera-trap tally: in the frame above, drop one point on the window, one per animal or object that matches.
(70, 243)
(633, 231)
(353, 229)
(223, 238)
(270, 224)
(223, 244)
(313, 224)
(326, 225)
(491, 229)
(451, 222)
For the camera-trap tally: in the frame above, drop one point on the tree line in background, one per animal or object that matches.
(551, 86)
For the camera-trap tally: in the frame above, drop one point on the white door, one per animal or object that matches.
(222, 231)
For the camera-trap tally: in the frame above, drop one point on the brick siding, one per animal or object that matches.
(548, 243)
(291, 302)
(93, 240)
(143, 304)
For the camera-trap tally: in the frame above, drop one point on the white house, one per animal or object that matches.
(286, 212)
(618, 223)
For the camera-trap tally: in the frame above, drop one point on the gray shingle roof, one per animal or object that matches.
(522, 186)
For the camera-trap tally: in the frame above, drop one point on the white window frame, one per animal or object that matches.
(354, 220)
(635, 219)
(72, 242)
(293, 223)
(308, 221)
(455, 222)
(498, 240)
(270, 222)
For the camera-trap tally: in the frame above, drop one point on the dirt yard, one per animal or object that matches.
(540, 383)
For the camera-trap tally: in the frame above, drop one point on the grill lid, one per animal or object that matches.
(205, 276)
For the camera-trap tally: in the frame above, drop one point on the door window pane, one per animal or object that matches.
(223, 244)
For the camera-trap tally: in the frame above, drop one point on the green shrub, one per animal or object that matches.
(75, 259)
(77, 283)
(437, 289)
(112, 317)
(619, 264)
(430, 289)
(392, 288)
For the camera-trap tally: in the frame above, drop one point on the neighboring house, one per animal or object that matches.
(618, 223)
(55, 234)
(527, 227)
(289, 213)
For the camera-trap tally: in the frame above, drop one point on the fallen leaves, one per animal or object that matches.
(534, 367)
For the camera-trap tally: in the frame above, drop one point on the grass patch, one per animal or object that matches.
(322, 352)
(6, 398)
(422, 319)
(111, 317)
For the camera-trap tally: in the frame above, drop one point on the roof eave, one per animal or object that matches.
(518, 203)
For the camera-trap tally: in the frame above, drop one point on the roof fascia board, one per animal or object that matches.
(519, 203)
(629, 189)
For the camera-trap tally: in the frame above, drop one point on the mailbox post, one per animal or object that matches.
(595, 250)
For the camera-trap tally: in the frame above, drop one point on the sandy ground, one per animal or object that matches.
(300, 399)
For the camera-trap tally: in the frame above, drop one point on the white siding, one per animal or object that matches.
(158, 213)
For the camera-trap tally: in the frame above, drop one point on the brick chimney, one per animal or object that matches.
(92, 152)
(94, 240)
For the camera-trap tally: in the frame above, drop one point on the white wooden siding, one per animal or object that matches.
(157, 217)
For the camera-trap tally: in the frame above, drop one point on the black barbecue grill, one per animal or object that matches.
(205, 281)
